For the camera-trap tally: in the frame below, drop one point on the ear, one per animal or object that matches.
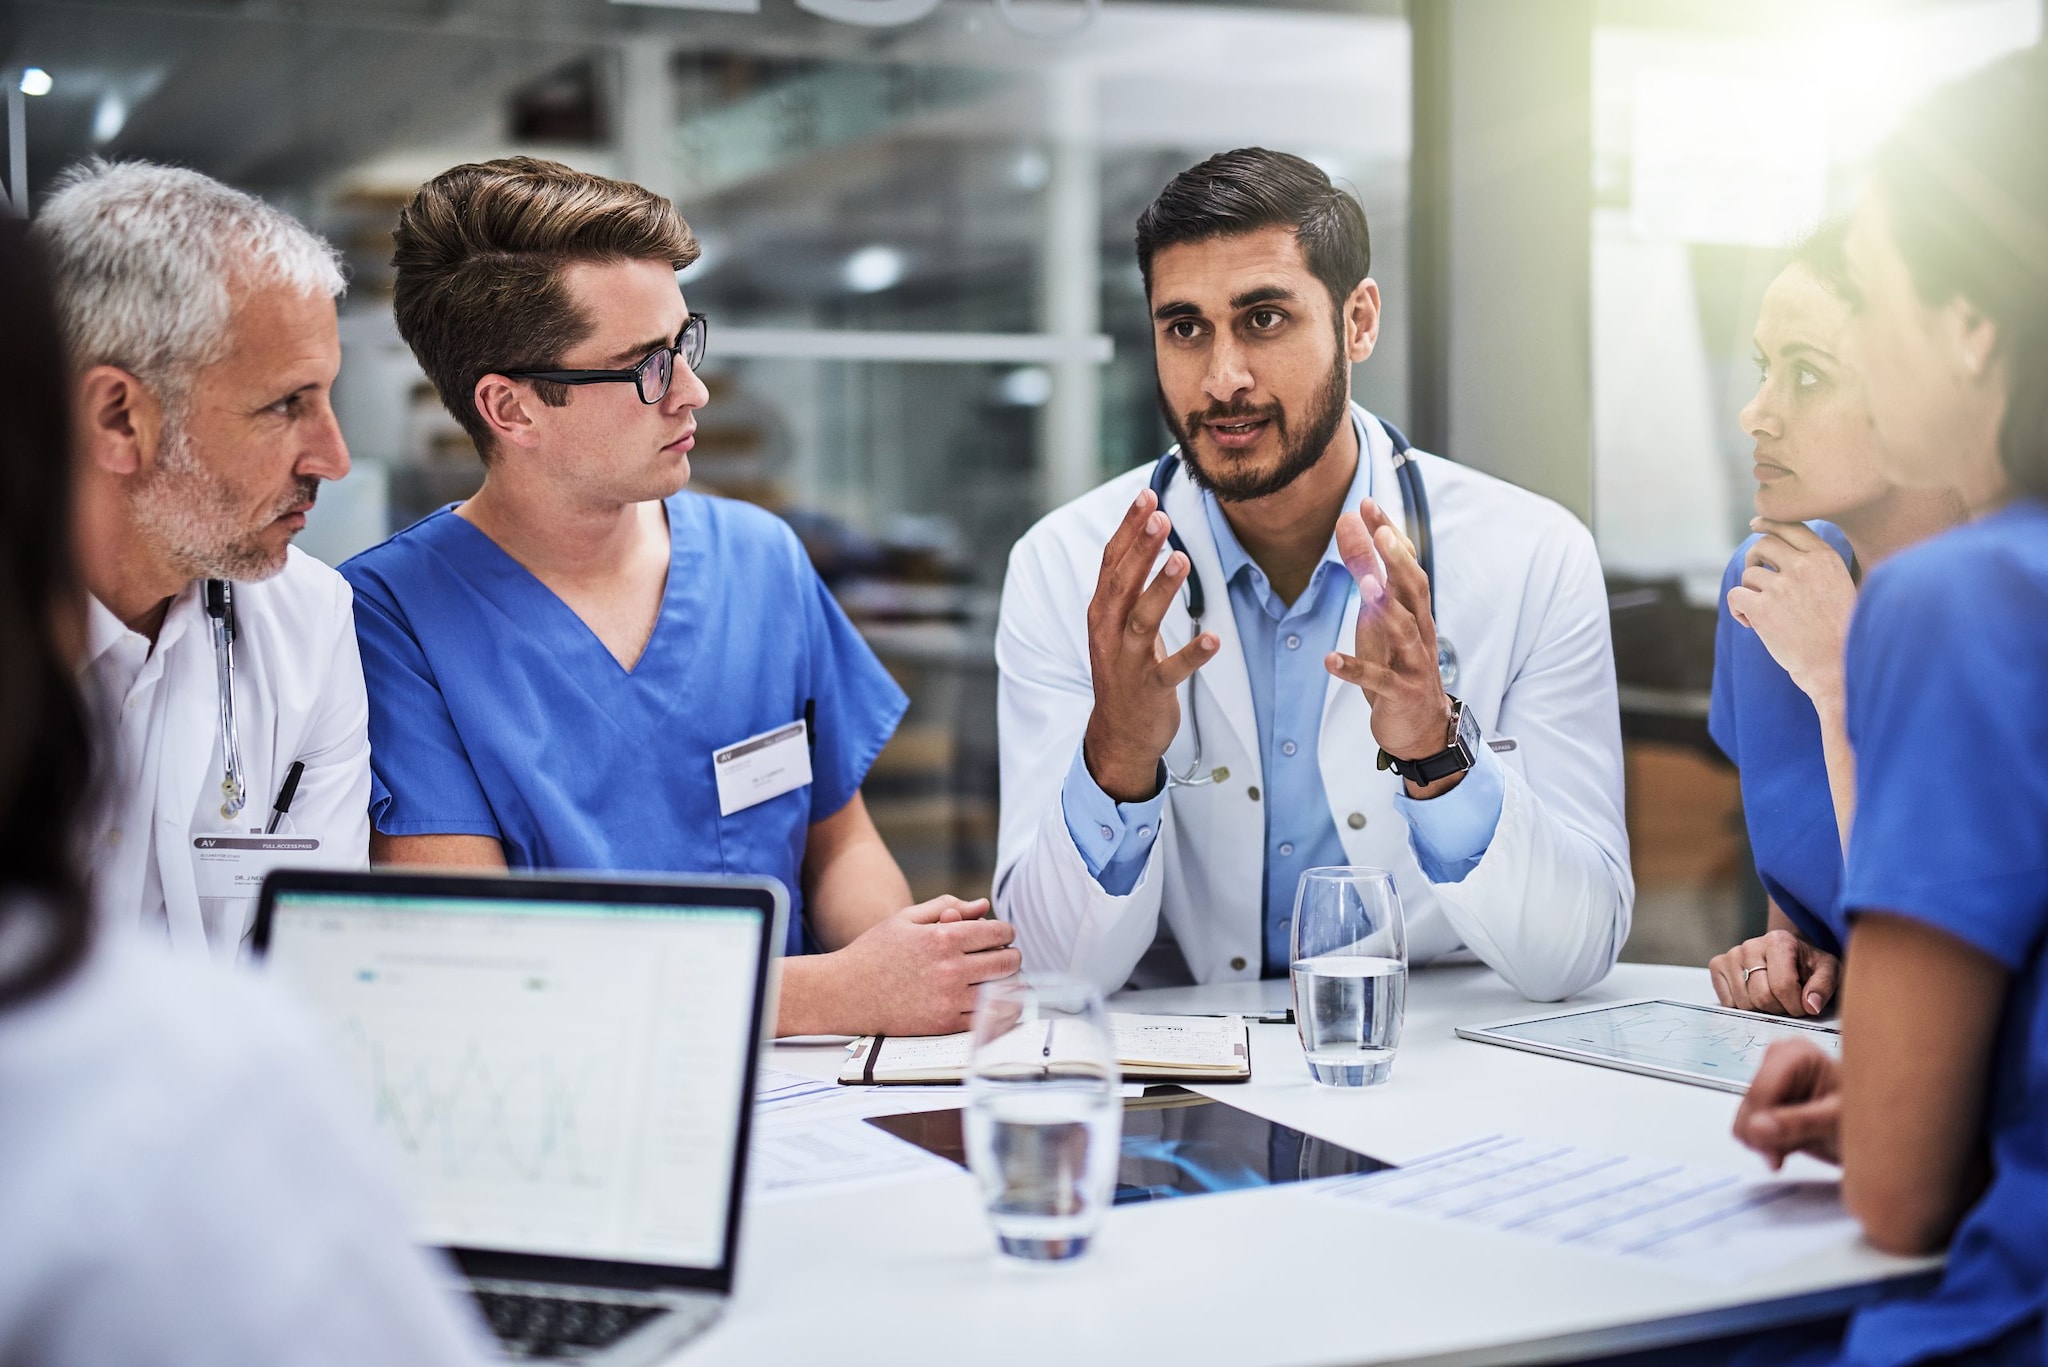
(508, 410)
(1975, 336)
(1362, 320)
(120, 421)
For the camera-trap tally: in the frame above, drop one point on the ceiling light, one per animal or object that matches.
(36, 81)
(109, 118)
(1026, 387)
(872, 269)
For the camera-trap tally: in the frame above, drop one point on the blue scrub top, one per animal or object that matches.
(1948, 667)
(495, 711)
(1768, 729)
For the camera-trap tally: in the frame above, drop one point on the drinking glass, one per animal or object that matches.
(1350, 973)
(1044, 1113)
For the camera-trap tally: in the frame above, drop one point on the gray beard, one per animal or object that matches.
(188, 516)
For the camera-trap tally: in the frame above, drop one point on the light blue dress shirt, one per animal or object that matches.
(1284, 645)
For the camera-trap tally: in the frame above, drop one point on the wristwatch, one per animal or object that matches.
(1454, 758)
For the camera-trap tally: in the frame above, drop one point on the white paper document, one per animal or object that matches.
(779, 1088)
(1711, 1223)
(796, 1154)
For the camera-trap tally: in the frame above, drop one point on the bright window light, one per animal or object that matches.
(36, 81)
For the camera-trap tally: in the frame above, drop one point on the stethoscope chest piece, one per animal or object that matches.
(220, 608)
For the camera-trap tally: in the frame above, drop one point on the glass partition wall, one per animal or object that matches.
(928, 327)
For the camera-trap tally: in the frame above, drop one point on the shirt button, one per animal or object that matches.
(1293, 642)
(1286, 747)
(1252, 792)
(1356, 821)
(1237, 964)
(1286, 848)
(1144, 832)
(1108, 834)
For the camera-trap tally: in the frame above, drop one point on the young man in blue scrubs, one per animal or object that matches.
(584, 666)
(1785, 604)
(1938, 1110)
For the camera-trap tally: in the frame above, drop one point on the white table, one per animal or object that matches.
(907, 1273)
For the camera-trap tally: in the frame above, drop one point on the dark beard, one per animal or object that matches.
(1298, 455)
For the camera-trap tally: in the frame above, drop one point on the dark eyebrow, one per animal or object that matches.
(1265, 294)
(1179, 308)
(638, 353)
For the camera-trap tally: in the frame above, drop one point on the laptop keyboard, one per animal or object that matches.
(539, 1326)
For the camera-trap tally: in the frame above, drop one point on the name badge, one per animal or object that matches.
(229, 871)
(760, 767)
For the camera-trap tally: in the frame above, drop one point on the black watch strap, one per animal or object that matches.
(1454, 758)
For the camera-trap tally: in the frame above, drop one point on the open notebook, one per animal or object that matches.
(1148, 1049)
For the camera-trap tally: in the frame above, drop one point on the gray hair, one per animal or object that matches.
(145, 256)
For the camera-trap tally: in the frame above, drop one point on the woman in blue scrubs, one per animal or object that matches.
(586, 666)
(1825, 513)
(1938, 1110)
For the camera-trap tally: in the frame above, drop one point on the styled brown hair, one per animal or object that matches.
(480, 252)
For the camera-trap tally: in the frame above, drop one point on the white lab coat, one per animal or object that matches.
(1519, 593)
(298, 696)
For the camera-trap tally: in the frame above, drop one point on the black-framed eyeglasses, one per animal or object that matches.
(651, 377)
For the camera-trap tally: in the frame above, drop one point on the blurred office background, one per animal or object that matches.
(928, 327)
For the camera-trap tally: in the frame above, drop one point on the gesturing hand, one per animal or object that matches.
(1794, 1105)
(1796, 595)
(1395, 664)
(1137, 710)
(1792, 977)
(915, 972)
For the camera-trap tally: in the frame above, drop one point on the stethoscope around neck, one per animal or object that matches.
(1415, 512)
(220, 608)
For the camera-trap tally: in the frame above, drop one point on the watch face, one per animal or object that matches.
(1468, 730)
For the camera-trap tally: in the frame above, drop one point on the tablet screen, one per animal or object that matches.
(1670, 1035)
(1177, 1144)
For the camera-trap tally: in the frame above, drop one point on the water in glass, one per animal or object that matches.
(1349, 1009)
(1350, 974)
(1044, 1114)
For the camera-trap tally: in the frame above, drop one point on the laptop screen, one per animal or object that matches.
(562, 1077)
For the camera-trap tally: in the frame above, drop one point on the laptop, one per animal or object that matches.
(567, 1065)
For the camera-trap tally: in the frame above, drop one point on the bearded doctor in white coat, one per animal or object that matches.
(1502, 817)
(201, 324)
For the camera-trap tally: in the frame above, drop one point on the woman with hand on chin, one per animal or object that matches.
(1826, 512)
(1938, 1108)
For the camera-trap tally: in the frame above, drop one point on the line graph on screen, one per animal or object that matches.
(464, 1110)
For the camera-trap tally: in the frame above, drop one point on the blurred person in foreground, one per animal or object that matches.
(181, 1178)
(588, 666)
(1938, 1109)
(1826, 513)
(201, 328)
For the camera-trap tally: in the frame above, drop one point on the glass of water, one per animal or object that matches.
(1350, 973)
(1044, 1113)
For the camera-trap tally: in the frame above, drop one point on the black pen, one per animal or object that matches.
(285, 795)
